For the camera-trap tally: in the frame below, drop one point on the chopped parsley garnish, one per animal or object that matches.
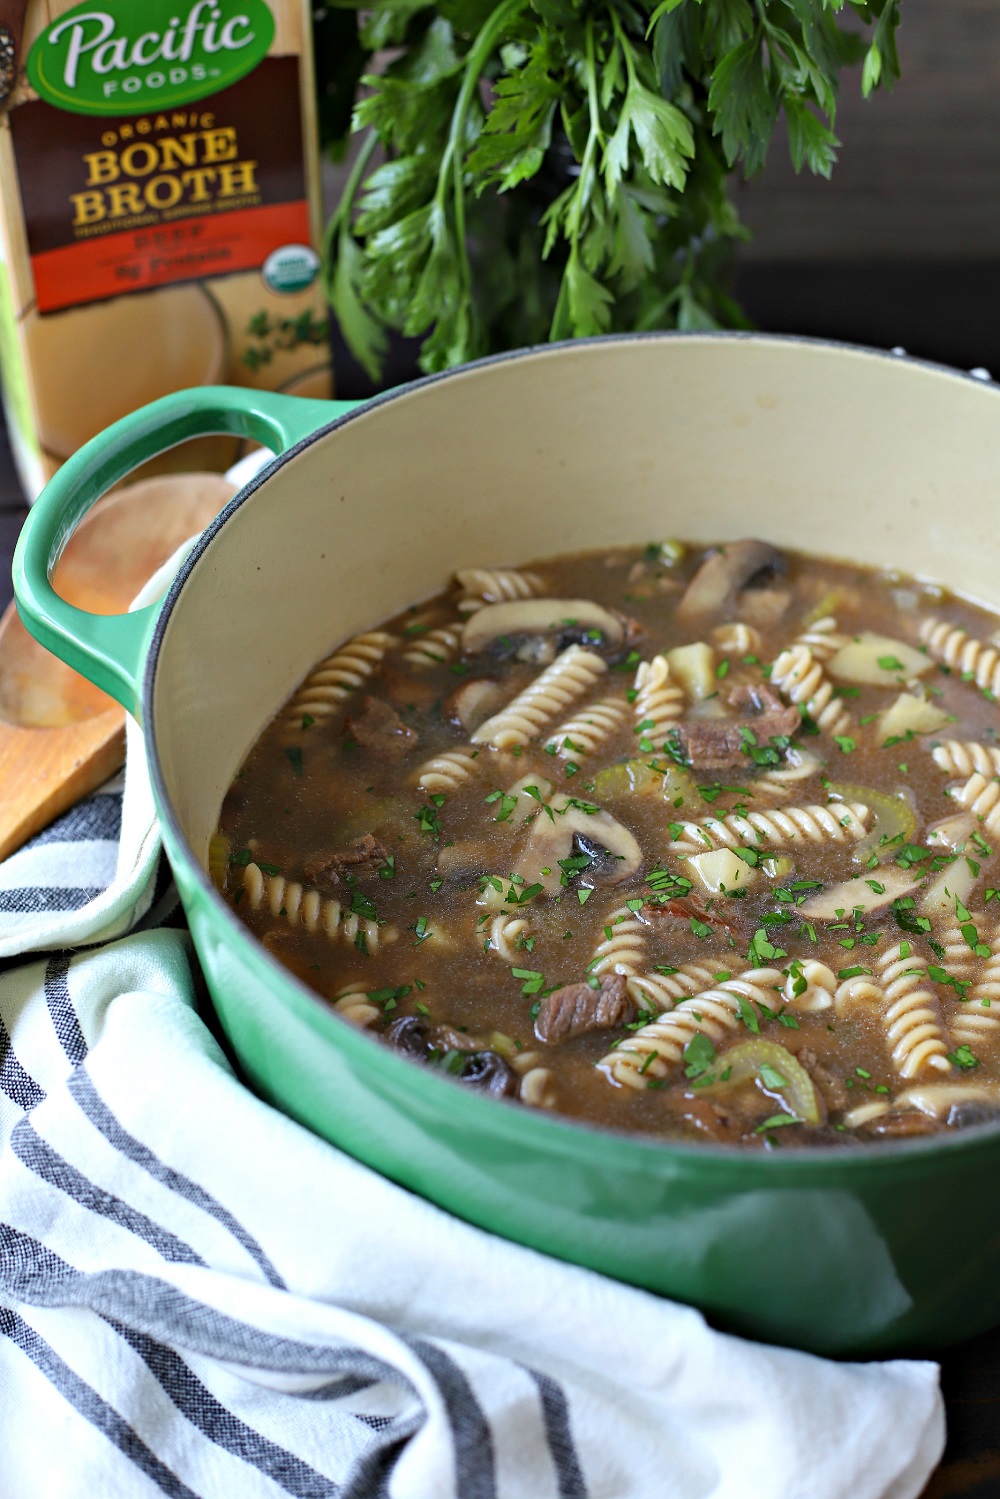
(699, 1054)
(962, 1057)
(293, 754)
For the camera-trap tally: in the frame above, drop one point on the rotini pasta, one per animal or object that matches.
(448, 772)
(782, 827)
(801, 678)
(962, 653)
(821, 638)
(957, 757)
(504, 933)
(977, 1020)
(659, 702)
(354, 1005)
(582, 734)
(981, 797)
(737, 639)
(911, 1017)
(571, 674)
(333, 680)
(650, 1053)
(435, 647)
(326, 917)
(798, 765)
(482, 585)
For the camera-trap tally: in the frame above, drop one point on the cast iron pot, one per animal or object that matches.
(831, 449)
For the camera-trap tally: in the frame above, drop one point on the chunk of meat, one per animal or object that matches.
(379, 728)
(327, 871)
(718, 744)
(576, 1009)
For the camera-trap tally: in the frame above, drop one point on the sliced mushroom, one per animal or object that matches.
(938, 1099)
(578, 619)
(474, 702)
(726, 573)
(859, 894)
(611, 848)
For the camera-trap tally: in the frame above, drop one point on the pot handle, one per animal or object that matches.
(110, 650)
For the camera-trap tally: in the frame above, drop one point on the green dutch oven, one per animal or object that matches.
(708, 437)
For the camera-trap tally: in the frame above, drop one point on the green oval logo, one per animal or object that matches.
(147, 54)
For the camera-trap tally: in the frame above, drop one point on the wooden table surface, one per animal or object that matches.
(970, 1373)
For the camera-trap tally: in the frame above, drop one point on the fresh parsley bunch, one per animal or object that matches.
(536, 169)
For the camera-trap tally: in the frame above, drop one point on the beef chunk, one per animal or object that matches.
(718, 743)
(576, 1009)
(327, 871)
(380, 729)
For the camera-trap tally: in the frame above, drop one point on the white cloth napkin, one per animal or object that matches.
(198, 1297)
(201, 1297)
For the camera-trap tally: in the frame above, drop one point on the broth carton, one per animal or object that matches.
(160, 213)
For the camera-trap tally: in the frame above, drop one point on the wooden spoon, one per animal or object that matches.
(60, 736)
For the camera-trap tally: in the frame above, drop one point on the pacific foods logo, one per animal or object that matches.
(148, 54)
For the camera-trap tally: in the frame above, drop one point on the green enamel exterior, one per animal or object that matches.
(111, 650)
(147, 55)
(836, 1251)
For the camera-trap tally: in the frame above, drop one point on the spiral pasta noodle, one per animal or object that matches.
(782, 827)
(571, 674)
(978, 1019)
(435, 647)
(483, 585)
(966, 757)
(651, 1052)
(583, 734)
(624, 951)
(981, 797)
(799, 765)
(661, 991)
(323, 915)
(353, 1004)
(820, 987)
(659, 702)
(803, 681)
(911, 1018)
(449, 771)
(822, 638)
(961, 652)
(860, 992)
(737, 639)
(334, 679)
(503, 934)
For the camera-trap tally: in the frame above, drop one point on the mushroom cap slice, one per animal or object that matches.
(726, 573)
(539, 617)
(830, 904)
(552, 838)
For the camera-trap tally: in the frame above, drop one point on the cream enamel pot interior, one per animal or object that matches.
(708, 437)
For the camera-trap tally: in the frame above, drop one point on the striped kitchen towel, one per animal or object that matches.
(200, 1298)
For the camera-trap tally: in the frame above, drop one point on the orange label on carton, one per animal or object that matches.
(184, 251)
(114, 206)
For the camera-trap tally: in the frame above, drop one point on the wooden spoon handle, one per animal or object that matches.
(11, 31)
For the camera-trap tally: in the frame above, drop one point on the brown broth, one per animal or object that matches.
(310, 788)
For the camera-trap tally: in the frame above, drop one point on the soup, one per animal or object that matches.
(690, 842)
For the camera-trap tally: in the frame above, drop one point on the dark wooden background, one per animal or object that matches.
(902, 248)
